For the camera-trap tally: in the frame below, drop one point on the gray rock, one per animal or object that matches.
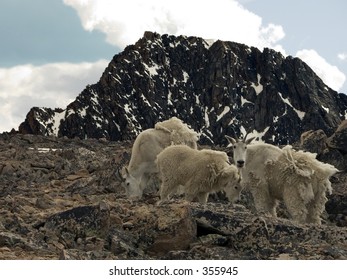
(339, 139)
(72, 212)
(314, 141)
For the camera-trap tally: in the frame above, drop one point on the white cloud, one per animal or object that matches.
(342, 56)
(51, 85)
(124, 22)
(330, 74)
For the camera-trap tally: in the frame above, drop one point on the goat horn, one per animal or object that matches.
(119, 176)
(235, 135)
(244, 138)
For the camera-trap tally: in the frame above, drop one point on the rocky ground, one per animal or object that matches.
(60, 199)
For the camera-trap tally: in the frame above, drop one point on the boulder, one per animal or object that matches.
(314, 141)
(339, 139)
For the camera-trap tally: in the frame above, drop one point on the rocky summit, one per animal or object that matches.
(60, 199)
(217, 87)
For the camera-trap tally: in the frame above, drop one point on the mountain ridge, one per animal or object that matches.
(217, 88)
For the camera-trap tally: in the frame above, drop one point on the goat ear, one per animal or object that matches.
(230, 139)
(119, 175)
(248, 141)
(125, 172)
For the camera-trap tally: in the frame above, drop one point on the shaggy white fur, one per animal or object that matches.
(297, 178)
(197, 172)
(148, 144)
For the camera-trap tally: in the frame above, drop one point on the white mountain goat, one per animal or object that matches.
(197, 172)
(297, 178)
(148, 144)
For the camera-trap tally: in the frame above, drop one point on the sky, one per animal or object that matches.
(50, 50)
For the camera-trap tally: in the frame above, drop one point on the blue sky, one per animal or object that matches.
(50, 50)
(41, 31)
(309, 24)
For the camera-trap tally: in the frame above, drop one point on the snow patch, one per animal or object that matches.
(273, 137)
(225, 111)
(145, 100)
(300, 114)
(83, 112)
(115, 77)
(208, 43)
(207, 120)
(197, 101)
(185, 76)
(244, 101)
(44, 150)
(169, 98)
(326, 109)
(258, 135)
(208, 135)
(257, 87)
(232, 121)
(117, 125)
(94, 100)
(153, 70)
(127, 108)
(57, 118)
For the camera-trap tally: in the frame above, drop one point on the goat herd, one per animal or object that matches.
(169, 152)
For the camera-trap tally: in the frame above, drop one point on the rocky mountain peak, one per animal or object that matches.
(216, 87)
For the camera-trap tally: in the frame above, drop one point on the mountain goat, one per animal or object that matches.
(297, 178)
(148, 144)
(199, 172)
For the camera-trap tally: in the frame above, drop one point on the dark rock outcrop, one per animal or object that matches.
(218, 88)
(339, 139)
(332, 150)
